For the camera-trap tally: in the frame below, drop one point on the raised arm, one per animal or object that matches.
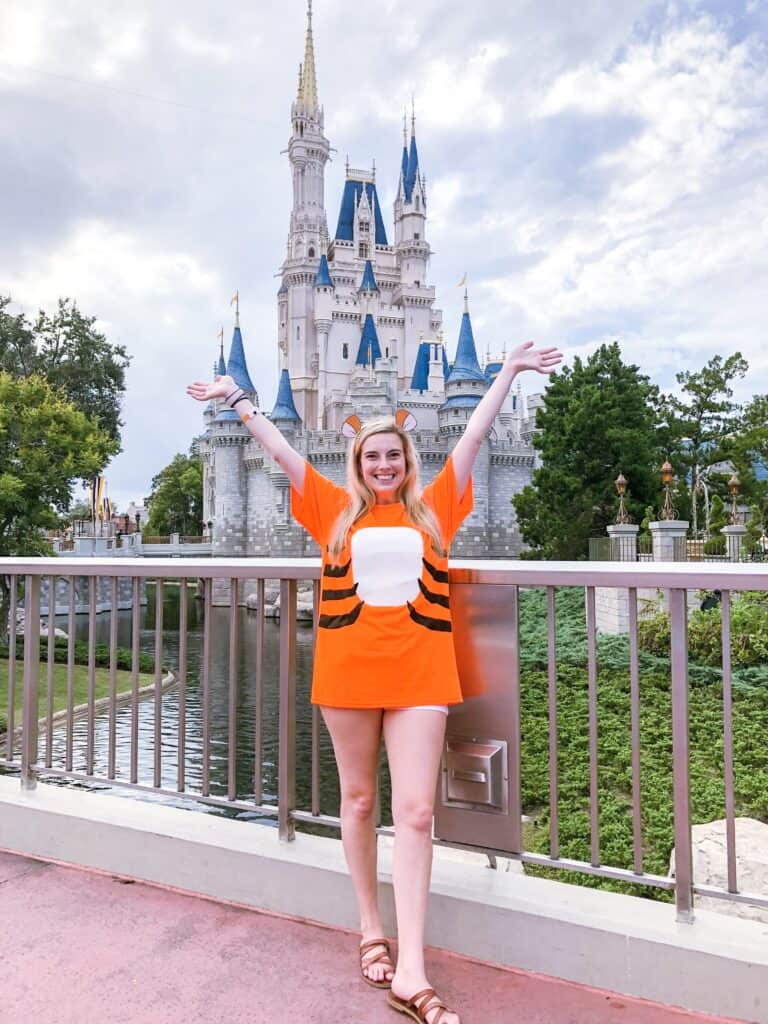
(526, 357)
(265, 432)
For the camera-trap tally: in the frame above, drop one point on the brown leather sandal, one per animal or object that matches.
(418, 1006)
(384, 957)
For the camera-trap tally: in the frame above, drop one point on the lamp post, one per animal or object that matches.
(733, 486)
(623, 517)
(667, 509)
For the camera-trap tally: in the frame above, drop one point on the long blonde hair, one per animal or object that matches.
(362, 498)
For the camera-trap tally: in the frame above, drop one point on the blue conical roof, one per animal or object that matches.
(349, 201)
(237, 368)
(412, 169)
(465, 365)
(283, 288)
(404, 164)
(369, 349)
(221, 366)
(446, 367)
(284, 407)
(368, 284)
(420, 380)
(323, 277)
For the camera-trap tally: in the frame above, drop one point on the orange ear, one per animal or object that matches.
(405, 420)
(351, 426)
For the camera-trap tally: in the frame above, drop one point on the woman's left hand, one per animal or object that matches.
(526, 357)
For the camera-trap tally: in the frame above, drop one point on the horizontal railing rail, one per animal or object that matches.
(101, 739)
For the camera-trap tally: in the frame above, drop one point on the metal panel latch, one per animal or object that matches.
(475, 774)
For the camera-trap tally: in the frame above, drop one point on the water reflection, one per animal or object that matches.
(219, 707)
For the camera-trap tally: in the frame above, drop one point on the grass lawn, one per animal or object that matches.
(60, 687)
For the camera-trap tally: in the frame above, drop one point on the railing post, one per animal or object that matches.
(286, 760)
(31, 709)
(680, 756)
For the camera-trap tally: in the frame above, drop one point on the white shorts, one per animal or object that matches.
(429, 707)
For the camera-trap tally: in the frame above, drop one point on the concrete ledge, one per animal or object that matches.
(718, 964)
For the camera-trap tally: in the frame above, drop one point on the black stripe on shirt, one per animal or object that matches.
(439, 625)
(339, 595)
(441, 599)
(438, 575)
(336, 571)
(339, 621)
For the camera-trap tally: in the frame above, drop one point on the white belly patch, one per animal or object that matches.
(386, 564)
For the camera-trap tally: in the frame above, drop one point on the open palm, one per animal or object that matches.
(542, 360)
(204, 392)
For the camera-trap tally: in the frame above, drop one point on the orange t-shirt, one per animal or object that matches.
(384, 635)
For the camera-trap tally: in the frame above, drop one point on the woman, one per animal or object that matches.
(384, 661)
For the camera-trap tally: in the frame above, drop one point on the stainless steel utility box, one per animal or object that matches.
(478, 799)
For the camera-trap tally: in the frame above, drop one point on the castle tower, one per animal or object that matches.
(464, 388)
(308, 153)
(414, 295)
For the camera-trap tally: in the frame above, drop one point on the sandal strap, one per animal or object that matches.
(425, 1002)
(377, 958)
(365, 946)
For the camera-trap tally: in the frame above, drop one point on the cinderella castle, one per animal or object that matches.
(357, 332)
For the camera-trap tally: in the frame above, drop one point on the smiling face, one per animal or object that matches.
(382, 466)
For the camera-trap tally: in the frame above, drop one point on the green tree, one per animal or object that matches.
(72, 355)
(176, 502)
(697, 422)
(598, 419)
(46, 445)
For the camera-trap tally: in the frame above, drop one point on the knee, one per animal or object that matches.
(358, 804)
(414, 815)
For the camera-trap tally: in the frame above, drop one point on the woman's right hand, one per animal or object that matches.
(204, 392)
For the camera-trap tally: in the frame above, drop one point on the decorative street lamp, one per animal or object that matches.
(621, 489)
(668, 509)
(733, 486)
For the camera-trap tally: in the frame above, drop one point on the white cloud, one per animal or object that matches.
(104, 265)
(118, 45)
(200, 46)
(674, 227)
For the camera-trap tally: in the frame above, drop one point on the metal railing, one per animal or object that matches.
(21, 746)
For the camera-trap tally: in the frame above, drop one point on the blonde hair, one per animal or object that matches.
(362, 498)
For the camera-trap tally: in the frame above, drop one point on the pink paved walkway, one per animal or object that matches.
(82, 948)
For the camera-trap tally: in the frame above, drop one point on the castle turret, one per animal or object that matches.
(466, 383)
(308, 153)
(369, 349)
(324, 293)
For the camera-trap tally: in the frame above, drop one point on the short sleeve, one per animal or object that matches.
(443, 498)
(318, 508)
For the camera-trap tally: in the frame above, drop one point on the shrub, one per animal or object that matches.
(749, 633)
(123, 659)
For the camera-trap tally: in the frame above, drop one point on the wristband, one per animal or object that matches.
(234, 397)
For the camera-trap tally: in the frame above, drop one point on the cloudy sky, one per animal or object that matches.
(600, 170)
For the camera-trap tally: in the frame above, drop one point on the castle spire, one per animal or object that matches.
(237, 368)
(285, 407)
(221, 367)
(465, 365)
(412, 168)
(307, 98)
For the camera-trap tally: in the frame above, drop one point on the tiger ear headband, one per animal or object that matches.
(404, 419)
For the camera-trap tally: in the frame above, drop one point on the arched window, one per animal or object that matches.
(345, 351)
(311, 252)
(298, 332)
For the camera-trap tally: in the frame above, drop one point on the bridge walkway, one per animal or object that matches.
(78, 947)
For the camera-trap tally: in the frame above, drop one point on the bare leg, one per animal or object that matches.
(356, 736)
(414, 740)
